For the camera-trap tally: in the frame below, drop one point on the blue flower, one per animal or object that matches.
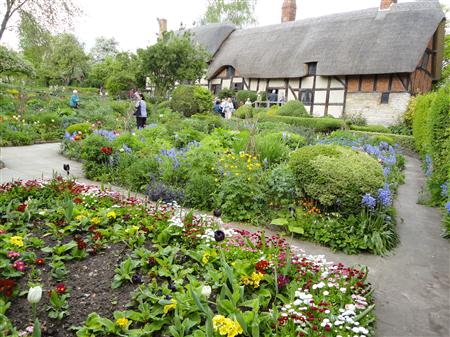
(384, 195)
(447, 207)
(444, 190)
(126, 148)
(386, 171)
(368, 201)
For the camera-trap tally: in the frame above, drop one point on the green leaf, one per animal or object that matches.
(297, 230)
(279, 222)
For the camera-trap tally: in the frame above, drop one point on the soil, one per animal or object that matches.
(90, 284)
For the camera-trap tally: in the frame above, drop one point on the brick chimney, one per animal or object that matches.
(386, 4)
(288, 11)
(162, 26)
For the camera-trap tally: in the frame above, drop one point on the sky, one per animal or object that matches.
(133, 23)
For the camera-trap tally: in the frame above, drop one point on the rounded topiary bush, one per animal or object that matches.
(244, 111)
(83, 127)
(191, 99)
(293, 109)
(336, 177)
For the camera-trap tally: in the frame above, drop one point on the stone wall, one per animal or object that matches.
(370, 107)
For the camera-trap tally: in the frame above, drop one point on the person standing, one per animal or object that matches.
(229, 108)
(74, 100)
(140, 110)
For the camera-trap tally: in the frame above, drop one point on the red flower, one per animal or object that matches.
(81, 244)
(77, 200)
(60, 288)
(261, 266)
(97, 236)
(6, 287)
(19, 265)
(107, 150)
(39, 261)
(22, 207)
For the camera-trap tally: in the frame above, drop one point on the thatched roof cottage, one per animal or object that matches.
(368, 61)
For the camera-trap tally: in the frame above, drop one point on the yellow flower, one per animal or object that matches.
(111, 214)
(79, 217)
(226, 326)
(252, 280)
(205, 258)
(122, 322)
(170, 307)
(238, 174)
(16, 240)
(95, 220)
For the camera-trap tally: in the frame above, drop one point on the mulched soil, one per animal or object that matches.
(90, 281)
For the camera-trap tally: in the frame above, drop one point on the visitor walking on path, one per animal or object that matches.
(140, 110)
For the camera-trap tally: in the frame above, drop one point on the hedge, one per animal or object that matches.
(322, 124)
(370, 128)
(406, 142)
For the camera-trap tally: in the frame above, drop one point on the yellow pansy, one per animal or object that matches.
(122, 322)
(95, 220)
(252, 280)
(79, 217)
(16, 240)
(111, 214)
(226, 326)
(170, 307)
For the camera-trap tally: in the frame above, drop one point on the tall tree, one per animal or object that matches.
(49, 13)
(173, 59)
(237, 12)
(66, 60)
(103, 48)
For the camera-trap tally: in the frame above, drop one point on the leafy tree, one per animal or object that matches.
(66, 60)
(173, 59)
(103, 48)
(237, 12)
(446, 61)
(12, 64)
(49, 13)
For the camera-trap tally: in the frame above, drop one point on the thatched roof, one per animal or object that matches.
(360, 42)
(212, 36)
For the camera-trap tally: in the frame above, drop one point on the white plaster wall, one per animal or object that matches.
(335, 111)
(319, 110)
(321, 82)
(237, 79)
(262, 85)
(290, 96)
(320, 96)
(336, 96)
(215, 81)
(368, 104)
(253, 84)
(294, 83)
(336, 84)
(276, 83)
(226, 84)
(307, 82)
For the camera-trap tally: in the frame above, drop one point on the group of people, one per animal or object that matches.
(225, 107)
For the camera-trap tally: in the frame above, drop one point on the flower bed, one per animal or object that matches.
(175, 273)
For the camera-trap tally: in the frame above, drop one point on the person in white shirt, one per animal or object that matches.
(140, 111)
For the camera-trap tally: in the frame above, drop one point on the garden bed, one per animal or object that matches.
(116, 266)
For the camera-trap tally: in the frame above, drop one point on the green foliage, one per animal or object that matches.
(226, 93)
(173, 59)
(13, 64)
(242, 95)
(324, 124)
(294, 109)
(238, 12)
(244, 112)
(118, 83)
(191, 99)
(420, 122)
(370, 128)
(281, 185)
(84, 128)
(335, 176)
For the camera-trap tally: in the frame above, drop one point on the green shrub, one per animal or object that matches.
(293, 108)
(356, 119)
(242, 96)
(281, 185)
(226, 93)
(244, 112)
(262, 95)
(439, 141)
(85, 128)
(210, 120)
(420, 122)
(191, 99)
(370, 128)
(122, 107)
(273, 110)
(337, 177)
(117, 84)
(323, 124)
(270, 148)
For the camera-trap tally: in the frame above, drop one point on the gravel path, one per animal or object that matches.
(412, 284)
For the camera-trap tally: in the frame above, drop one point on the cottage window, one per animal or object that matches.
(425, 60)
(216, 88)
(312, 68)
(238, 86)
(306, 96)
(230, 72)
(385, 98)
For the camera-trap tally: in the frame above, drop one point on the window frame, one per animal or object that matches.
(301, 95)
(385, 96)
(312, 68)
